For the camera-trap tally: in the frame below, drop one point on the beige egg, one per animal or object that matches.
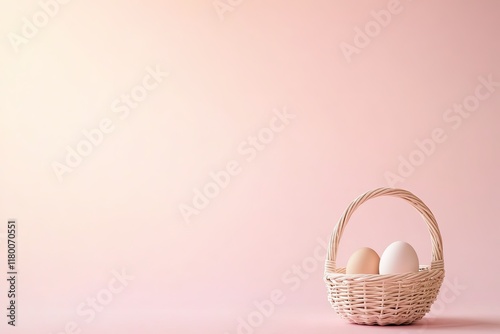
(363, 261)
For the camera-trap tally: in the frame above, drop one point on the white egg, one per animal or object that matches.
(398, 258)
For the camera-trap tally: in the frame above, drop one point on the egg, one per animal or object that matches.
(363, 261)
(398, 258)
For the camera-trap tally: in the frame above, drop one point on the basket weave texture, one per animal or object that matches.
(395, 299)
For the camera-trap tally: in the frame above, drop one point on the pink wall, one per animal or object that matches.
(355, 105)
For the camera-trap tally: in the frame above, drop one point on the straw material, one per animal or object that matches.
(385, 299)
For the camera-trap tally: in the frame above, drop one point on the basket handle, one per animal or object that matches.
(437, 242)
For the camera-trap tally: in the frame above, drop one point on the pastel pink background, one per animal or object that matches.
(120, 208)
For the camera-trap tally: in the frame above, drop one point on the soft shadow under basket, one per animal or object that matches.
(395, 299)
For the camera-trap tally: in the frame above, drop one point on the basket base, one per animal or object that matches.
(385, 319)
(380, 322)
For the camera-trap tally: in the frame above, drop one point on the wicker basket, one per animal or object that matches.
(395, 299)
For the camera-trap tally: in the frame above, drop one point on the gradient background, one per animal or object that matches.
(120, 207)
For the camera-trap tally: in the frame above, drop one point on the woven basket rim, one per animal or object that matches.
(392, 277)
